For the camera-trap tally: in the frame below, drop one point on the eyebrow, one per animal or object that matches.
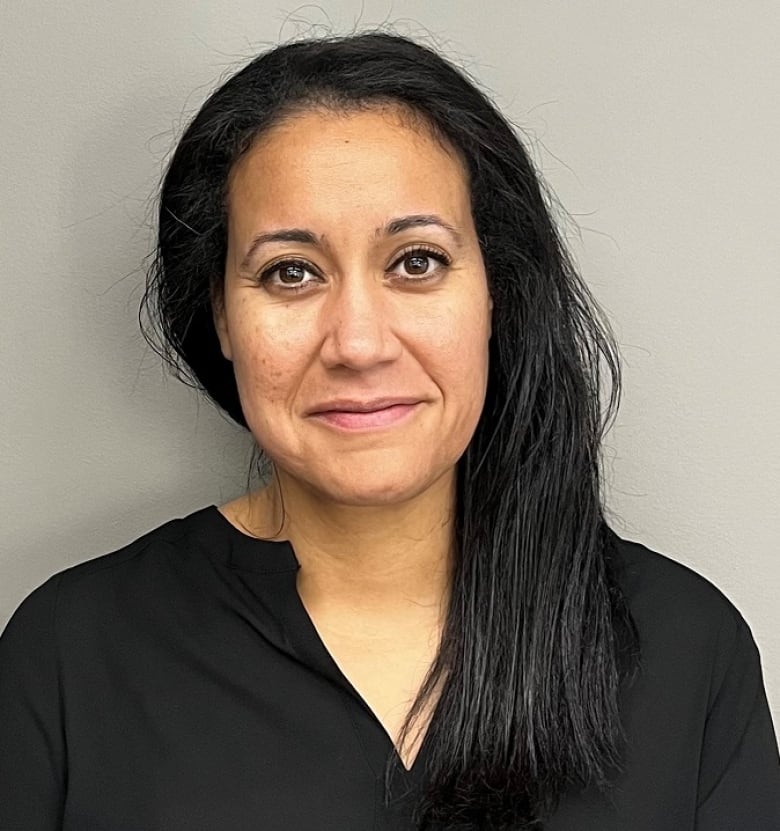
(306, 237)
(396, 226)
(283, 235)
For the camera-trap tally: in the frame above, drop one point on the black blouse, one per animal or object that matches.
(179, 685)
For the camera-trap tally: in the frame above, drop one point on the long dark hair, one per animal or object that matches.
(534, 646)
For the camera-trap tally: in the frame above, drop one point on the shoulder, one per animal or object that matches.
(696, 709)
(655, 584)
(137, 570)
(690, 632)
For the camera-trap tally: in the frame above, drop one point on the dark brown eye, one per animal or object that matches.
(417, 263)
(420, 264)
(292, 273)
(289, 275)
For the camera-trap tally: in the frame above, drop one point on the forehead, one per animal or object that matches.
(321, 165)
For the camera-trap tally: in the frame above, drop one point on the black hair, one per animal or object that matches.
(538, 639)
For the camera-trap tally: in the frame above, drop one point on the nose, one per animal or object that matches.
(359, 324)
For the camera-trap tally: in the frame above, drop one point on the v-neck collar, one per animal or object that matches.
(291, 629)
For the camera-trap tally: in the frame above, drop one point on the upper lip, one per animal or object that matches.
(353, 405)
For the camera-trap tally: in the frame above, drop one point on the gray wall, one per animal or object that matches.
(656, 123)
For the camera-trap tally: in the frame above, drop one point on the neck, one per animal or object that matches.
(375, 560)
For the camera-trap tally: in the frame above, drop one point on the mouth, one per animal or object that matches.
(366, 415)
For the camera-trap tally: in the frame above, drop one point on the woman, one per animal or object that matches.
(423, 620)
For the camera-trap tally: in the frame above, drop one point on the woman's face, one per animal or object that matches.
(356, 309)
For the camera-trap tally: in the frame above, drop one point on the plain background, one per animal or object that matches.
(656, 123)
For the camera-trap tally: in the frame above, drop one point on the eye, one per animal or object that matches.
(289, 275)
(420, 263)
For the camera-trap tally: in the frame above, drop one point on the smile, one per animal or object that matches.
(363, 418)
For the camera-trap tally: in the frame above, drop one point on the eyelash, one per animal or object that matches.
(265, 276)
(426, 251)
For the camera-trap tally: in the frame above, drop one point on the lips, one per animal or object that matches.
(349, 414)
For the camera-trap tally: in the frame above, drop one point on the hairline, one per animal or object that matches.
(329, 102)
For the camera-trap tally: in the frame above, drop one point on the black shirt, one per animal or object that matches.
(179, 685)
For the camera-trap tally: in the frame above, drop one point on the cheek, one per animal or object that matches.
(458, 341)
(262, 379)
(265, 382)
(264, 361)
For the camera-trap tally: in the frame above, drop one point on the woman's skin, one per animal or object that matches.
(362, 319)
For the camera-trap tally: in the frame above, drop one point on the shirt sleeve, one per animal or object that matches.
(32, 745)
(739, 781)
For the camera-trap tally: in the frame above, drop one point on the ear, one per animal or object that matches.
(220, 322)
(490, 316)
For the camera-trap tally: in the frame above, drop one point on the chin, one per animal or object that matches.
(370, 477)
(375, 486)
(371, 492)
